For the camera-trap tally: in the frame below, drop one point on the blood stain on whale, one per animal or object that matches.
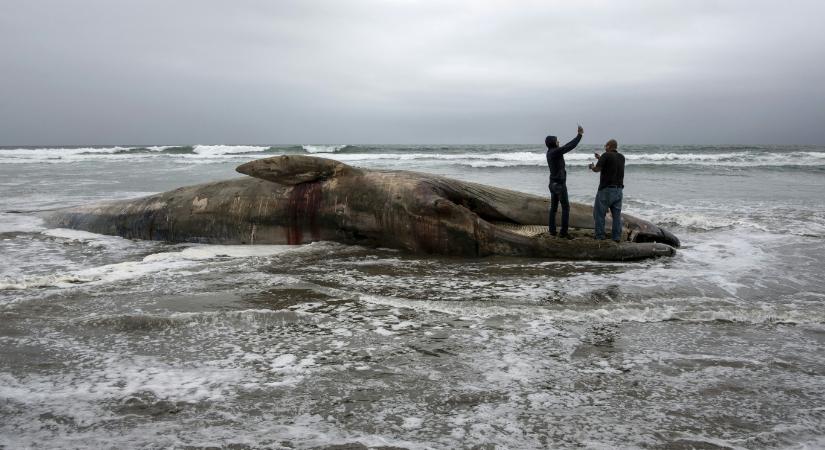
(302, 209)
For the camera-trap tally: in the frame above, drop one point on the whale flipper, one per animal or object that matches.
(295, 169)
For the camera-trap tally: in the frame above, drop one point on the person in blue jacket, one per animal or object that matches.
(558, 181)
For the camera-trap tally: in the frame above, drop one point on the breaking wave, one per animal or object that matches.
(324, 148)
(472, 156)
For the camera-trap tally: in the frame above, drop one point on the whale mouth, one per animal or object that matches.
(582, 246)
(524, 215)
(521, 229)
(531, 231)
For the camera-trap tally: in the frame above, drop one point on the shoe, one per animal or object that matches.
(552, 233)
(618, 241)
(566, 236)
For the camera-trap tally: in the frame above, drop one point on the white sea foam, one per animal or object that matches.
(57, 153)
(695, 309)
(323, 148)
(511, 159)
(207, 153)
(154, 263)
(283, 361)
(68, 155)
(116, 378)
(203, 252)
(91, 239)
(412, 423)
(291, 368)
(71, 154)
(220, 150)
(723, 262)
(383, 331)
(768, 314)
(697, 221)
(481, 159)
(763, 218)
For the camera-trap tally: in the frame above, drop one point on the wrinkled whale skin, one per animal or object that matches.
(298, 199)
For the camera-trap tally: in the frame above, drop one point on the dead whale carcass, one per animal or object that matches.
(296, 199)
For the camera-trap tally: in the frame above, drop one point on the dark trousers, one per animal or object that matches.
(558, 194)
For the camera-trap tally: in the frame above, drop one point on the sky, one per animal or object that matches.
(411, 72)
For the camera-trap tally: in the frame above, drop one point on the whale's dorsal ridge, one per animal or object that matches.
(294, 169)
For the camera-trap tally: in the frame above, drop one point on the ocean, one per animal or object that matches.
(112, 343)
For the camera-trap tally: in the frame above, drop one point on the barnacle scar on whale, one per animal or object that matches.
(296, 199)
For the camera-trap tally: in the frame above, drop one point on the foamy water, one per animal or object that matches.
(479, 157)
(112, 343)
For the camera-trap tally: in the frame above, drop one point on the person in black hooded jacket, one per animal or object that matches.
(558, 181)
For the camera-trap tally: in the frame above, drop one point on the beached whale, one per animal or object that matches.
(295, 199)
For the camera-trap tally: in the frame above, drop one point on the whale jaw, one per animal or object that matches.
(504, 238)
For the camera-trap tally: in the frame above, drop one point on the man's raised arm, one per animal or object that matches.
(573, 143)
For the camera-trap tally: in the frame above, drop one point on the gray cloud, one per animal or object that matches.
(405, 71)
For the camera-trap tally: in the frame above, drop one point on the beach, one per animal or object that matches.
(111, 343)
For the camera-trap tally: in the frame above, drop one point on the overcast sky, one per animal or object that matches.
(406, 71)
